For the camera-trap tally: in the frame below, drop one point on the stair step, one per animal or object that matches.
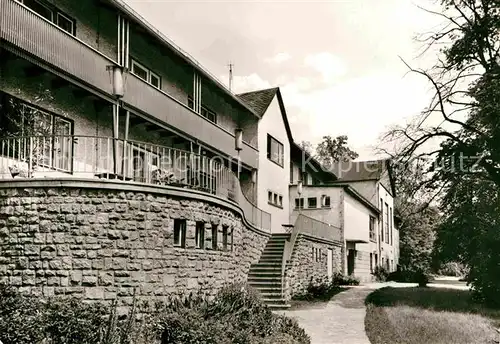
(270, 302)
(267, 264)
(279, 307)
(265, 279)
(267, 290)
(265, 268)
(264, 283)
(270, 296)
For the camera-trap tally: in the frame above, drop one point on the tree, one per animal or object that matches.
(332, 150)
(464, 170)
(307, 147)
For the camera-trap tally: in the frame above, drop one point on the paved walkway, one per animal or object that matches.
(340, 321)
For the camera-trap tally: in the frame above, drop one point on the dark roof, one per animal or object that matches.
(356, 171)
(359, 170)
(298, 154)
(260, 100)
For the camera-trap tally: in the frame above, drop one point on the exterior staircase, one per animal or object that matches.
(265, 276)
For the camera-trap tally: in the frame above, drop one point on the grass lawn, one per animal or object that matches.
(429, 316)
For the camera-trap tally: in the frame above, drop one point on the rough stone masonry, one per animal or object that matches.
(106, 244)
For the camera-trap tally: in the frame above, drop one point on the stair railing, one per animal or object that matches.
(287, 255)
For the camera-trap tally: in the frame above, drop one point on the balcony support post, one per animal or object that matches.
(125, 139)
(116, 113)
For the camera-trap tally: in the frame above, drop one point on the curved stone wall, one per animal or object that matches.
(101, 240)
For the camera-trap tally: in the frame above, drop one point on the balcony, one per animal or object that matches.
(92, 157)
(153, 101)
(37, 36)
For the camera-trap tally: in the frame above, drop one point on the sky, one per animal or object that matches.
(337, 63)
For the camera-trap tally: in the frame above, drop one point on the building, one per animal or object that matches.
(127, 169)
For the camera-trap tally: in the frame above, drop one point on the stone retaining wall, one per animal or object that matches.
(309, 263)
(102, 244)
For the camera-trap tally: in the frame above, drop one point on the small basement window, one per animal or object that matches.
(312, 202)
(200, 235)
(179, 233)
(215, 232)
(225, 239)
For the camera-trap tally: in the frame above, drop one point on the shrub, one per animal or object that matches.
(324, 291)
(381, 273)
(452, 269)
(339, 279)
(235, 316)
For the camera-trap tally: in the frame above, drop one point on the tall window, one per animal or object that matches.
(52, 14)
(371, 262)
(382, 220)
(50, 145)
(205, 112)
(299, 203)
(146, 74)
(390, 223)
(291, 172)
(373, 236)
(386, 222)
(275, 151)
(179, 233)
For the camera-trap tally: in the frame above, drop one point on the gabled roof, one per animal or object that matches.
(260, 100)
(356, 171)
(359, 170)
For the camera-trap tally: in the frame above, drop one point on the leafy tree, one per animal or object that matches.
(307, 146)
(465, 172)
(332, 150)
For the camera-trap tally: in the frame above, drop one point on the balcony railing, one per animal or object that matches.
(72, 156)
(41, 38)
(142, 96)
(308, 225)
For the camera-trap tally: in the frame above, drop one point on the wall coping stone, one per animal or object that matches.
(103, 184)
(321, 240)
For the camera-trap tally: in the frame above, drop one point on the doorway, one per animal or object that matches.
(351, 256)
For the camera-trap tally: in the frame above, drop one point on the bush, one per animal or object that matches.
(381, 273)
(236, 315)
(452, 269)
(339, 279)
(409, 276)
(324, 291)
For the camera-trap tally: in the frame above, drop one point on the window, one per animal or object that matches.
(179, 233)
(305, 178)
(312, 202)
(314, 254)
(155, 80)
(299, 203)
(146, 74)
(205, 112)
(390, 224)
(319, 255)
(275, 199)
(52, 144)
(382, 220)
(225, 233)
(386, 222)
(373, 236)
(325, 201)
(52, 14)
(371, 262)
(215, 232)
(275, 151)
(65, 23)
(200, 235)
(291, 172)
(39, 8)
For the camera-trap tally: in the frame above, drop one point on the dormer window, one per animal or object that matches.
(146, 74)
